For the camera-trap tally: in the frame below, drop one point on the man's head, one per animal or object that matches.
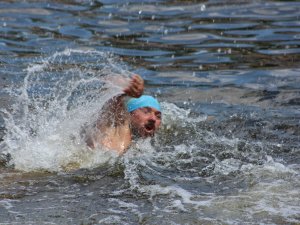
(145, 115)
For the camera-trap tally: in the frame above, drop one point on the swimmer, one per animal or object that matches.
(120, 122)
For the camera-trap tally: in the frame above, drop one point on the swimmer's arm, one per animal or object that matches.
(135, 87)
(114, 112)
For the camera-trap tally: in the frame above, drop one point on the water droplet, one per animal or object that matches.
(200, 67)
(203, 7)
(219, 50)
(152, 17)
(4, 24)
(110, 15)
(166, 31)
(140, 12)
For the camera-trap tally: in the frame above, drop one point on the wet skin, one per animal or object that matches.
(145, 121)
(116, 127)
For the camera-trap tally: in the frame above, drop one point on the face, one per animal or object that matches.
(145, 121)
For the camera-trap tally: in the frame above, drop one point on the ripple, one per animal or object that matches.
(223, 26)
(280, 51)
(287, 23)
(136, 52)
(31, 11)
(220, 44)
(75, 31)
(163, 10)
(234, 60)
(185, 37)
(265, 11)
(113, 22)
(119, 31)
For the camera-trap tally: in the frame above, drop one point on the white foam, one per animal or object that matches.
(44, 128)
(174, 191)
(112, 220)
(7, 203)
(227, 166)
(173, 113)
(123, 204)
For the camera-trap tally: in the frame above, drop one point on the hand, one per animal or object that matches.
(136, 87)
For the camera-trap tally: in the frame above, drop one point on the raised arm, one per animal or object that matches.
(114, 112)
(136, 87)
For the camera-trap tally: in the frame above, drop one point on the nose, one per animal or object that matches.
(152, 117)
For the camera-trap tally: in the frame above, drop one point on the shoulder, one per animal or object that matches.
(117, 138)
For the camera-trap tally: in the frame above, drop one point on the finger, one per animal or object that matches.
(136, 92)
(139, 82)
(137, 78)
(133, 90)
(130, 92)
(137, 86)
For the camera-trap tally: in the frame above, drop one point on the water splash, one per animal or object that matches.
(58, 96)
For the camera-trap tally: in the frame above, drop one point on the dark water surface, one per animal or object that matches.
(227, 74)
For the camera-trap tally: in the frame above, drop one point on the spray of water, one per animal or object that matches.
(59, 95)
(185, 167)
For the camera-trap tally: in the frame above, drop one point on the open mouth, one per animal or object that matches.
(149, 127)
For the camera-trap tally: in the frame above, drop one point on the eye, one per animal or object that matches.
(158, 116)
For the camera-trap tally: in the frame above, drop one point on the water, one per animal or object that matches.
(227, 74)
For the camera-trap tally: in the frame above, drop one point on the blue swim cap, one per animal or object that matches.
(143, 101)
